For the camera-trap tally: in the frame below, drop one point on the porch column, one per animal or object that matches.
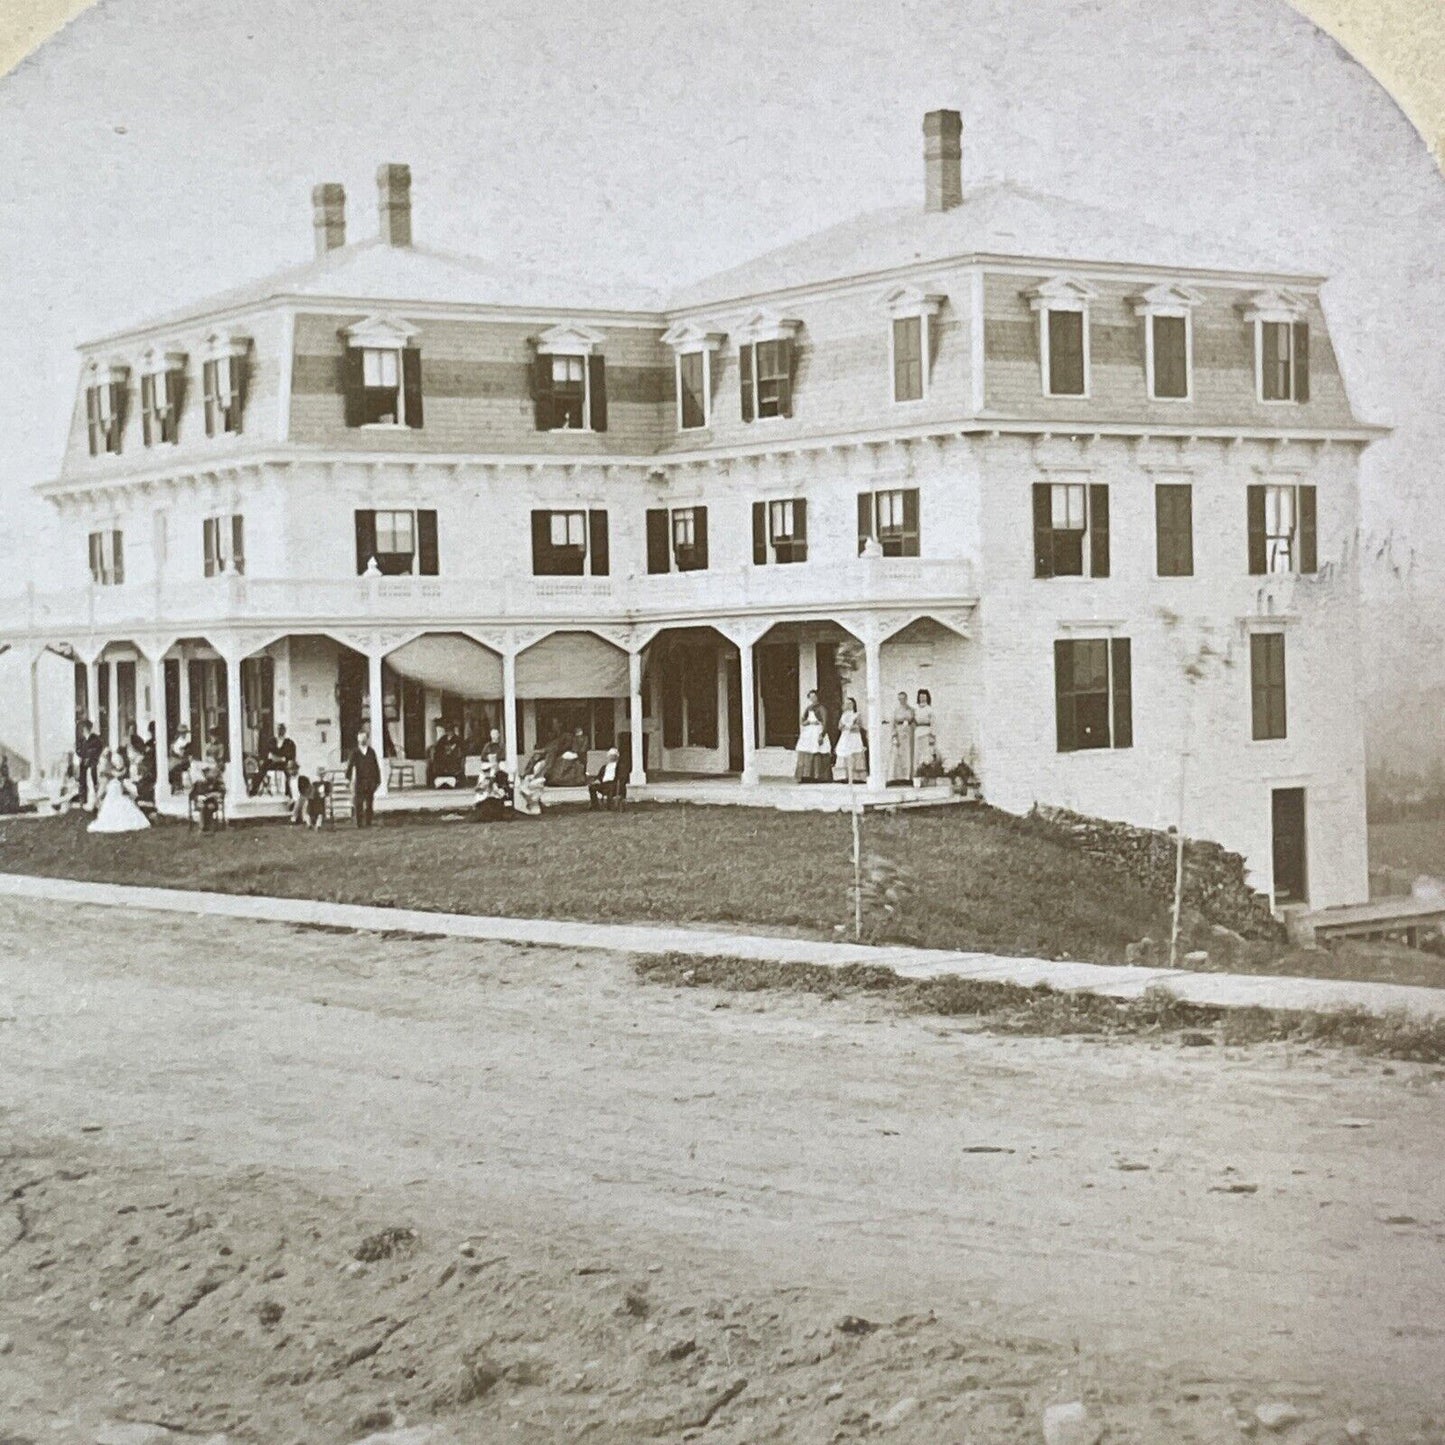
(37, 766)
(509, 709)
(873, 663)
(638, 776)
(113, 727)
(748, 687)
(183, 672)
(378, 718)
(235, 744)
(92, 692)
(162, 722)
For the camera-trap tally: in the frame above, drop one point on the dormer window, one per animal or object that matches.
(223, 381)
(1168, 315)
(105, 394)
(693, 344)
(910, 340)
(766, 356)
(161, 385)
(383, 374)
(1281, 345)
(569, 380)
(1062, 304)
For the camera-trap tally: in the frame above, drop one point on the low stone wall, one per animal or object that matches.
(1214, 885)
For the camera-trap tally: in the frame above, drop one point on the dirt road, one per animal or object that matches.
(609, 1203)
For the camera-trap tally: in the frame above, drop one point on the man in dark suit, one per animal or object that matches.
(88, 759)
(363, 771)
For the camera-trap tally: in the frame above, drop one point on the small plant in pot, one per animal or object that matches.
(930, 770)
(963, 779)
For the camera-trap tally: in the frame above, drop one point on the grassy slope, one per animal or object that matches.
(1412, 846)
(978, 880)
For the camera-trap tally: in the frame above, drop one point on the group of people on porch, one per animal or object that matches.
(823, 747)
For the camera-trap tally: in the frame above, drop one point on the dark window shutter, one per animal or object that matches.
(117, 548)
(672, 703)
(1122, 670)
(1259, 687)
(92, 419)
(1301, 361)
(911, 539)
(209, 545)
(352, 376)
(745, 379)
(1043, 530)
(1258, 550)
(1309, 547)
(1269, 360)
(1063, 695)
(428, 558)
(1066, 353)
(240, 381)
(238, 542)
(1098, 529)
(865, 519)
(659, 544)
(541, 544)
(785, 393)
(94, 559)
(208, 392)
(120, 408)
(699, 532)
(411, 385)
(365, 539)
(760, 534)
(147, 409)
(597, 536)
(541, 374)
(597, 384)
(800, 530)
(174, 383)
(1173, 529)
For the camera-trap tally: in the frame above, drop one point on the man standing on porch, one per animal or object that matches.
(363, 771)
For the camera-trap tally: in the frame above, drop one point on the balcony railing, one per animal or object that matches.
(177, 607)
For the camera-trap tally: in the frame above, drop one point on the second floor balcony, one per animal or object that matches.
(801, 589)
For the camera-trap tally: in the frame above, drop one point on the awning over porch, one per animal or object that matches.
(572, 665)
(450, 663)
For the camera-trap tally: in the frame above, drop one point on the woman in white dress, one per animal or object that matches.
(925, 744)
(850, 742)
(527, 795)
(814, 750)
(118, 812)
(900, 742)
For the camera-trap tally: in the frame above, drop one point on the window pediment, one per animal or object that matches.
(106, 373)
(766, 325)
(158, 360)
(220, 344)
(1275, 304)
(693, 336)
(381, 333)
(1167, 296)
(903, 301)
(1061, 293)
(569, 340)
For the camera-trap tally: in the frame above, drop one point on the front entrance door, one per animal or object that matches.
(1288, 808)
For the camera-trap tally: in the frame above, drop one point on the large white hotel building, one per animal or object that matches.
(1102, 503)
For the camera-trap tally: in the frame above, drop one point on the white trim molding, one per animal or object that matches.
(912, 303)
(1275, 304)
(380, 333)
(569, 339)
(224, 343)
(765, 324)
(1062, 293)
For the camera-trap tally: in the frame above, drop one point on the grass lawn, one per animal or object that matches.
(975, 879)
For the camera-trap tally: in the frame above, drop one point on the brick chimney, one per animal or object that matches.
(942, 160)
(328, 216)
(393, 198)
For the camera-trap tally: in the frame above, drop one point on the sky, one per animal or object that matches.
(149, 163)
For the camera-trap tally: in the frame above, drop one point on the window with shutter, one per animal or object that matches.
(1267, 685)
(890, 518)
(365, 540)
(692, 390)
(745, 379)
(1093, 694)
(411, 402)
(568, 391)
(786, 535)
(559, 543)
(1174, 529)
(597, 391)
(908, 369)
(1071, 529)
(659, 554)
(1065, 339)
(1284, 360)
(773, 370)
(689, 538)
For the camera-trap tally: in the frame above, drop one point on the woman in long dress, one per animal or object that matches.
(527, 796)
(117, 812)
(900, 742)
(814, 751)
(850, 742)
(925, 742)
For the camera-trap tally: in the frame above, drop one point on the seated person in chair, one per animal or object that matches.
(180, 760)
(494, 797)
(446, 767)
(208, 795)
(567, 767)
(609, 787)
(278, 755)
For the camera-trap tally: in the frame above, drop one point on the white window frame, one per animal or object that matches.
(383, 509)
(573, 341)
(760, 326)
(566, 515)
(1273, 492)
(107, 532)
(693, 338)
(225, 558)
(1284, 308)
(1171, 301)
(384, 334)
(909, 303)
(1067, 294)
(224, 351)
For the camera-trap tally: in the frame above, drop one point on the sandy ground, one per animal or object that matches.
(617, 1204)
